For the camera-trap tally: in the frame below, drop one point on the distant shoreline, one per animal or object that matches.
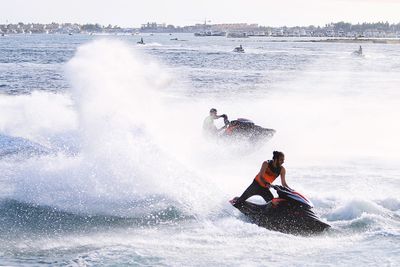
(334, 40)
(357, 40)
(339, 40)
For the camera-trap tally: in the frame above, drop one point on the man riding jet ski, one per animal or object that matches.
(238, 49)
(241, 129)
(209, 127)
(289, 213)
(358, 52)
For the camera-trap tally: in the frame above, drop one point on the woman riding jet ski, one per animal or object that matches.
(289, 213)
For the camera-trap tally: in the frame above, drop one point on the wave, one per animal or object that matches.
(354, 209)
(150, 44)
(112, 140)
(20, 147)
(361, 215)
(19, 218)
(390, 204)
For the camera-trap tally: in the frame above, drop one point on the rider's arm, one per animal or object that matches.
(283, 174)
(226, 122)
(264, 167)
(221, 116)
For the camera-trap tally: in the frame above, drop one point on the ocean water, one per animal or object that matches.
(103, 162)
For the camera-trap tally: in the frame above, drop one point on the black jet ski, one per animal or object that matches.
(358, 53)
(244, 129)
(238, 49)
(289, 213)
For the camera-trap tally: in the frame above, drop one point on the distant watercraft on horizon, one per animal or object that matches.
(237, 35)
(358, 52)
(238, 49)
(209, 33)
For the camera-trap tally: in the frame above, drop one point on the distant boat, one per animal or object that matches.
(218, 34)
(141, 41)
(174, 39)
(201, 34)
(209, 33)
(237, 35)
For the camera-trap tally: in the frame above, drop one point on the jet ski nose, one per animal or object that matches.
(233, 200)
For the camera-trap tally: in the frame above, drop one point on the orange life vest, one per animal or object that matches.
(269, 175)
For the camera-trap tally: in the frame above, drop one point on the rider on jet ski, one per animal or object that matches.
(209, 127)
(270, 170)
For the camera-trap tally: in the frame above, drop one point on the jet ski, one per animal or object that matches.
(238, 49)
(358, 53)
(244, 129)
(289, 213)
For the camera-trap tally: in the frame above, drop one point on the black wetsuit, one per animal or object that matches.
(256, 189)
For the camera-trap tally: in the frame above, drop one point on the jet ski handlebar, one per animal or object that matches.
(292, 194)
(280, 187)
(226, 121)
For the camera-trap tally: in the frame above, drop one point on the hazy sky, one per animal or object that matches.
(185, 12)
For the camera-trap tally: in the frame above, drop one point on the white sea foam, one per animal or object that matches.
(124, 132)
(37, 116)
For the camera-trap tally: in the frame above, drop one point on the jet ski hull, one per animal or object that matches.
(243, 129)
(283, 216)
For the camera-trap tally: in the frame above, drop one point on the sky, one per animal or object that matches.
(133, 13)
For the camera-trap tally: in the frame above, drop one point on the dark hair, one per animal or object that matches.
(213, 110)
(277, 154)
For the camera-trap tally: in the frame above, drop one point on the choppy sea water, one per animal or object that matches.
(103, 161)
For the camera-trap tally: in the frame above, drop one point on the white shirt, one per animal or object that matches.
(208, 125)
